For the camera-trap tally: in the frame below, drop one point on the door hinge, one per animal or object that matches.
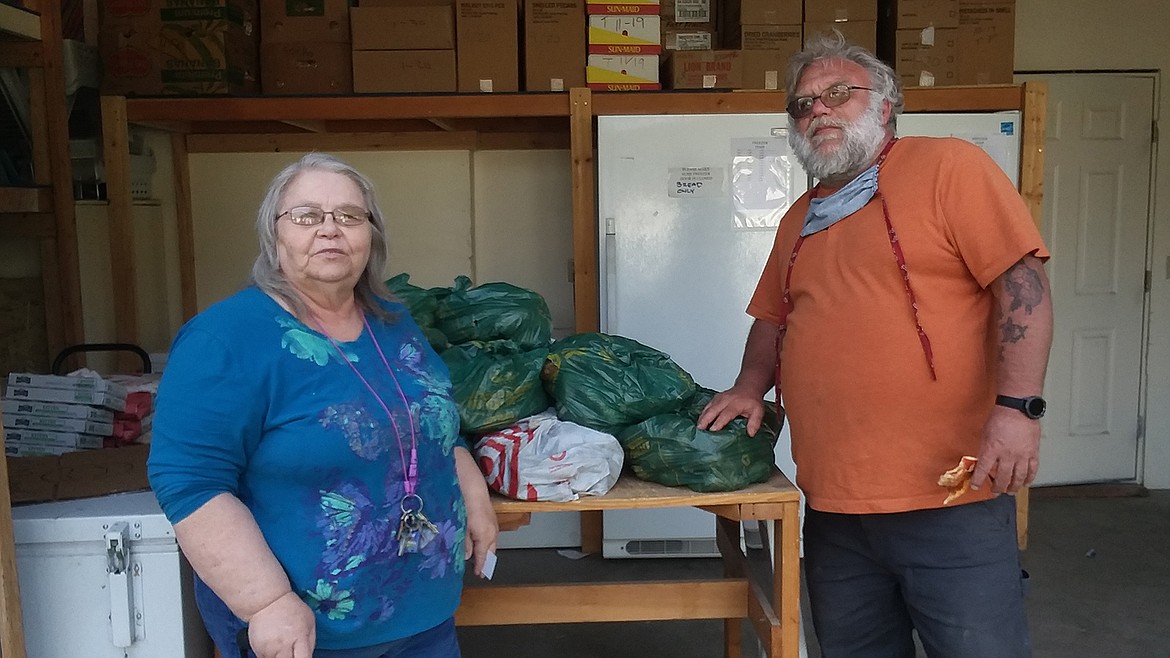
(1149, 280)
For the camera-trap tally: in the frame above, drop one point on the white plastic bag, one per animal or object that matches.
(544, 458)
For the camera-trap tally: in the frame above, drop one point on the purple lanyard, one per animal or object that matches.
(900, 257)
(411, 472)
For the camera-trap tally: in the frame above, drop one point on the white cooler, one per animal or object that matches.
(103, 577)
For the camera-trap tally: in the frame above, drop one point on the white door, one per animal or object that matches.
(1096, 215)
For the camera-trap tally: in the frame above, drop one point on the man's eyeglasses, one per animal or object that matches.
(801, 106)
(314, 216)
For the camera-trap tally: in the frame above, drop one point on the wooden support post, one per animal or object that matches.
(186, 225)
(116, 151)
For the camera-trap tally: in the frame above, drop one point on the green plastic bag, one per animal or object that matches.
(609, 382)
(421, 303)
(669, 449)
(495, 384)
(494, 311)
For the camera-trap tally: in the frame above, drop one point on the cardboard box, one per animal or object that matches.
(704, 69)
(57, 410)
(33, 380)
(56, 438)
(319, 67)
(679, 37)
(768, 37)
(78, 474)
(290, 21)
(622, 72)
(837, 11)
(554, 44)
(765, 69)
(625, 35)
(488, 45)
(59, 424)
(908, 14)
(862, 33)
(153, 47)
(926, 58)
(626, 7)
(762, 12)
(688, 11)
(398, 71)
(420, 25)
(67, 396)
(986, 43)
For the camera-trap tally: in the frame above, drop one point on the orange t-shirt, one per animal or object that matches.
(871, 431)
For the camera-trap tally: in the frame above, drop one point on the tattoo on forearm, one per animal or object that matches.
(1022, 283)
(1012, 332)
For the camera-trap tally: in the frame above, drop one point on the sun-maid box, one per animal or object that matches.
(625, 35)
(306, 67)
(182, 47)
(704, 69)
(623, 8)
(377, 71)
(554, 44)
(622, 72)
(315, 21)
(403, 25)
(986, 43)
(488, 45)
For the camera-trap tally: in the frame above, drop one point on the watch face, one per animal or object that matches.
(1035, 407)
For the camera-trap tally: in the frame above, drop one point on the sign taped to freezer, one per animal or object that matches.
(695, 182)
(761, 181)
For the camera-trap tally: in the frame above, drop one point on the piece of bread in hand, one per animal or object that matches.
(958, 479)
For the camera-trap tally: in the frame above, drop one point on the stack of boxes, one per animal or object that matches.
(919, 39)
(151, 47)
(986, 42)
(305, 47)
(52, 415)
(403, 46)
(856, 20)
(488, 45)
(554, 44)
(689, 25)
(625, 40)
(769, 33)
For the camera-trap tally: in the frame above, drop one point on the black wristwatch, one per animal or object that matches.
(1032, 406)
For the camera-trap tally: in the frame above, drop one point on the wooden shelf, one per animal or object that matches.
(19, 24)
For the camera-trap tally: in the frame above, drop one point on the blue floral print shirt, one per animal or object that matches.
(257, 404)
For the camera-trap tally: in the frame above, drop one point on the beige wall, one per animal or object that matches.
(1066, 35)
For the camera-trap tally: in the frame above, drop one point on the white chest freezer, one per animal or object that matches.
(103, 577)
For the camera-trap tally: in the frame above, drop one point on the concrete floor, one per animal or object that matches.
(1100, 586)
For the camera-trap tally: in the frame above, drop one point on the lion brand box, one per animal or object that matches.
(554, 44)
(704, 69)
(625, 35)
(623, 7)
(152, 47)
(306, 67)
(487, 37)
(310, 21)
(622, 72)
(987, 41)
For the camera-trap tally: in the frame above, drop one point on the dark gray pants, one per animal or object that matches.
(953, 574)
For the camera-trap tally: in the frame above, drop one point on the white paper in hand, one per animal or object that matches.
(489, 565)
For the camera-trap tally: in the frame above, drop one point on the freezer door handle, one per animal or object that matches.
(117, 539)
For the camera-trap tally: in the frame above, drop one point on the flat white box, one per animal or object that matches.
(51, 438)
(71, 396)
(58, 424)
(75, 606)
(58, 410)
(67, 383)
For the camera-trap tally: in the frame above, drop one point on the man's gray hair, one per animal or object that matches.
(266, 273)
(832, 45)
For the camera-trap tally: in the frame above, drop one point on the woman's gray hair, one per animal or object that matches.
(832, 45)
(266, 273)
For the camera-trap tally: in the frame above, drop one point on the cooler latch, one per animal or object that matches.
(117, 540)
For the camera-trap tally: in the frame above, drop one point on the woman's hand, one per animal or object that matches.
(284, 628)
(482, 528)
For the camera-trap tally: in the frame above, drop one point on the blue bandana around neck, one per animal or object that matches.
(823, 212)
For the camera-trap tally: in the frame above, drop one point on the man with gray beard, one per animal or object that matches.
(906, 309)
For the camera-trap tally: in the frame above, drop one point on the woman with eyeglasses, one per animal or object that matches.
(306, 445)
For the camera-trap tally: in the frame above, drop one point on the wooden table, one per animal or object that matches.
(731, 598)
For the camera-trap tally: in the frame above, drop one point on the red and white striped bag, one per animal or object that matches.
(544, 458)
